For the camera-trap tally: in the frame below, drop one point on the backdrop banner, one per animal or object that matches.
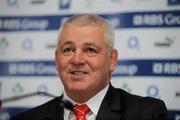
(146, 36)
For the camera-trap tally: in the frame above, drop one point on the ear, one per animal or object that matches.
(56, 59)
(114, 60)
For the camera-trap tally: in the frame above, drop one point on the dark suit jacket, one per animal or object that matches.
(117, 105)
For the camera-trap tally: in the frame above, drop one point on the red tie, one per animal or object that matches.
(81, 111)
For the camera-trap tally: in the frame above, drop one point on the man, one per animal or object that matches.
(85, 59)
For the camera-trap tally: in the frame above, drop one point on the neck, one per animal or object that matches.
(80, 97)
(83, 96)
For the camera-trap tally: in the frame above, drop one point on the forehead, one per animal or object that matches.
(83, 30)
(82, 34)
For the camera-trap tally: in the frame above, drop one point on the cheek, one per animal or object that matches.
(101, 66)
(60, 63)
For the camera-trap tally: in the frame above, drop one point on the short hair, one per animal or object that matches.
(91, 19)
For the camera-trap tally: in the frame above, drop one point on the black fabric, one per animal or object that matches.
(117, 105)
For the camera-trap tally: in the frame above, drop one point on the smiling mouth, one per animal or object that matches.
(78, 73)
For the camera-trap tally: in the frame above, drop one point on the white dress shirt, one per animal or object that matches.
(94, 105)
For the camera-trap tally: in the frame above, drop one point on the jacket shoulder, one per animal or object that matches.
(132, 99)
(146, 107)
(39, 112)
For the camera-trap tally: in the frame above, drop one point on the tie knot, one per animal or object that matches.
(81, 111)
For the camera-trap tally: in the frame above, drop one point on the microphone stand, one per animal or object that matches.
(63, 103)
(25, 96)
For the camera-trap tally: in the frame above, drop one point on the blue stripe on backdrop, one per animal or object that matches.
(6, 113)
(118, 20)
(27, 68)
(153, 67)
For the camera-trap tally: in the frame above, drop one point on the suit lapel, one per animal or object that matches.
(56, 111)
(110, 108)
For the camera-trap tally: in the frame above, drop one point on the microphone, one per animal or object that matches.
(66, 104)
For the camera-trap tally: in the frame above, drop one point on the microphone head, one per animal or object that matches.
(66, 104)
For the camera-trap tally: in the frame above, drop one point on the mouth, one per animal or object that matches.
(78, 75)
(78, 72)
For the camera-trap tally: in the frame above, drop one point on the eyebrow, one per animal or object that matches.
(72, 43)
(90, 44)
(66, 43)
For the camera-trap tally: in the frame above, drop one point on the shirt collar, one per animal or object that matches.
(93, 103)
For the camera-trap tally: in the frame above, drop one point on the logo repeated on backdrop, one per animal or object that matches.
(168, 42)
(4, 43)
(17, 88)
(153, 91)
(154, 19)
(166, 68)
(24, 23)
(123, 69)
(114, 22)
(38, 2)
(12, 3)
(42, 88)
(133, 43)
(126, 87)
(52, 46)
(64, 4)
(27, 45)
(173, 2)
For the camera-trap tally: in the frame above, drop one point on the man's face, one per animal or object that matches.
(83, 60)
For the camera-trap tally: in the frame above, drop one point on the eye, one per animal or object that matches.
(91, 50)
(67, 50)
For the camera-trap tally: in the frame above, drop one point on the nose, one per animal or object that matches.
(78, 58)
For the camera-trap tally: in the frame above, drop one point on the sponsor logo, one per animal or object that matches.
(64, 4)
(129, 70)
(12, 3)
(42, 88)
(3, 45)
(23, 24)
(32, 68)
(126, 87)
(114, 21)
(170, 68)
(173, 2)
(154, 67)
(153, 91)
(168, 42)
(37, 2)
(133, 43)
(27, 44)
(156, 19)
(51, 45)
(17, 89)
